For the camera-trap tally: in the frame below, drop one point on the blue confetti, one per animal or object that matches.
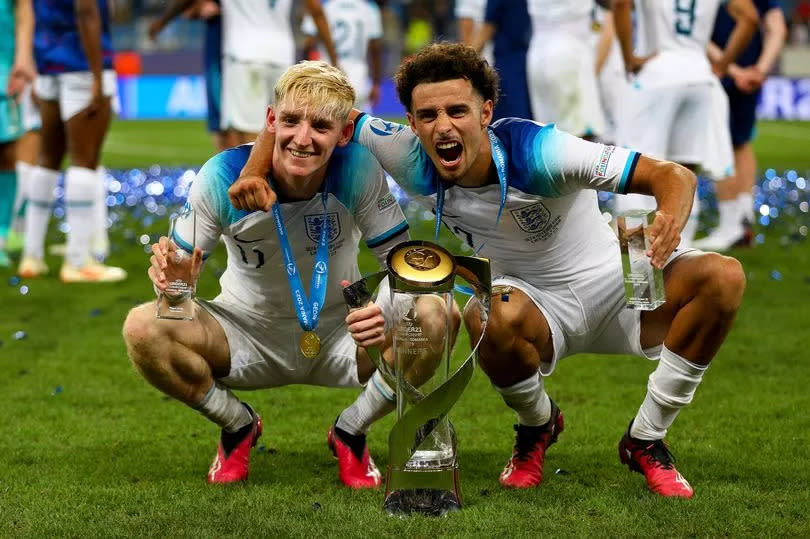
(57, 391)
(13, 281)
(776, 275)
(95, 312)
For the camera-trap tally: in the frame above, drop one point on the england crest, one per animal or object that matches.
(533, 218)
(315, 222)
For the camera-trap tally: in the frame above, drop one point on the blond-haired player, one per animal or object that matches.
(331, 193)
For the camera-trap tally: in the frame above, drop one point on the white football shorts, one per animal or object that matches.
(562, 85)
(73, 90)
(719, 162)
(589, 315)
(667, 122)
(247, 89)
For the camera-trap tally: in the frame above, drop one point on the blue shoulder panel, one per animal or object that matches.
(219, 173)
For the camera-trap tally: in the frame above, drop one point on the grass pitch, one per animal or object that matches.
(90, 449)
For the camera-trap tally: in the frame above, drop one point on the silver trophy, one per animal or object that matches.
(423, 465)
(643, 283)
(176, 302)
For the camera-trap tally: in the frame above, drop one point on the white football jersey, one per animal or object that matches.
(560, 15)
(550, 231)
(258, 31)
(359, 205)
(352, 23)
(679, 32)
(471, 9)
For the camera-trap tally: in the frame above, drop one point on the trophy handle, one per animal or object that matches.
(476, 271)
(359, 294)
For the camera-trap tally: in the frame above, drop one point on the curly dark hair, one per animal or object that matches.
(446, 61)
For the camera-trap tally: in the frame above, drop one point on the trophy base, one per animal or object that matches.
(643, 304)
(433, 493)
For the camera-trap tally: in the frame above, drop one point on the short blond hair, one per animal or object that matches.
(322, 89)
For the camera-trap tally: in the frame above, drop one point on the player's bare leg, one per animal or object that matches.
(347, 437)
(40, 190)
(183, 359)
(703, 292)
(85, 136)
(517, 338)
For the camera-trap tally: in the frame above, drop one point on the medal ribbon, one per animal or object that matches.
(307, 310)
(499, 157)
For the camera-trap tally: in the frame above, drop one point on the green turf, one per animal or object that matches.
(89, 449)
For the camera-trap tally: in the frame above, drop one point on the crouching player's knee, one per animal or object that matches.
(143, 337)
(724, 282)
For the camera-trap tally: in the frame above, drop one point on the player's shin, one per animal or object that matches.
(671, 386)
(376, 401)
(528, 398)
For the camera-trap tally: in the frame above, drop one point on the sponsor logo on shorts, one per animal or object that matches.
(315, 222)
(533, 218)
(604, 159)
(383, 128)
(385, 202)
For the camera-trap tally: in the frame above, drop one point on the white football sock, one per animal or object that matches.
(81, 186)
(729, 216)
(376, 401)
(24, 171)
(529, 399)
(224, 408)
(100, 242)
(671, 386)
(745, 205)
(40, 188)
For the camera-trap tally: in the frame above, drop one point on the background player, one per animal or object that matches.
(247, 337)
(257, 47)
(356, 29)
(523, 194)
(743, 84)
(209, 12)
(560, 67)
(16, 70)
(72, 47)
(667, 110)
(508, 26)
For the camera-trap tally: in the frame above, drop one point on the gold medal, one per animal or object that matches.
(310, 344)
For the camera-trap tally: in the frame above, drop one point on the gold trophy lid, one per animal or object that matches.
(421, 264)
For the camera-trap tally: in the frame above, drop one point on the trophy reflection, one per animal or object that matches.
(176, 302)
(423, 466)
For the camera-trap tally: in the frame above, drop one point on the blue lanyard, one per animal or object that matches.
(499, 157)
(307, 310)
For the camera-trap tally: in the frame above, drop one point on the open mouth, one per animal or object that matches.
(449, 152)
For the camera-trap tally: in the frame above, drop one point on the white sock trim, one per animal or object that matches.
(224, 408)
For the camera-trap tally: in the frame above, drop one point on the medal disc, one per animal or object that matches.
(310, 344)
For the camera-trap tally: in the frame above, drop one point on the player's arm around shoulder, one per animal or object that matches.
(673, 187)
(251, 191)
